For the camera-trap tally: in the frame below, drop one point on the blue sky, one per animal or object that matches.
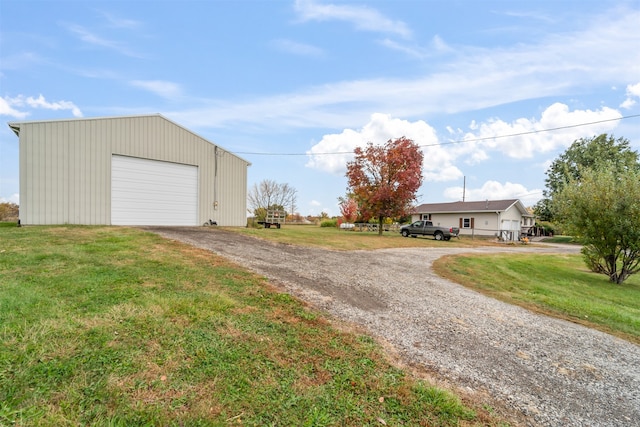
(294, 86)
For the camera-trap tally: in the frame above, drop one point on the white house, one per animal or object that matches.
(507, 219)
(136, 170)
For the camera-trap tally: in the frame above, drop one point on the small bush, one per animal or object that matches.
(8, 211)
(329, 223)
(550, 229)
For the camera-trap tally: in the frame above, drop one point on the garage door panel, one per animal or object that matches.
(151, 192)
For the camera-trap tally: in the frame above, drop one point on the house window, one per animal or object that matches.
(466, 223)
(426, 217)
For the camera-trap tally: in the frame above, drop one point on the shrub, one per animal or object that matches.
(8, 211)
(329, 223)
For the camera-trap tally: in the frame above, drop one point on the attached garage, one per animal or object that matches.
(137, 170)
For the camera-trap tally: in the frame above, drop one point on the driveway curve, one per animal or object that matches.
(550, 372)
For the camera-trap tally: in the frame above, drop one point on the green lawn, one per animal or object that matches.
(336, 239)
(118, 327)
(557, 285)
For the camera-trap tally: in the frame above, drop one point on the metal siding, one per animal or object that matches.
(65, 168)
(232, 190)
(25, 193)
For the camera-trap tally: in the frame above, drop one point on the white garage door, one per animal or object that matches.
(150, 192)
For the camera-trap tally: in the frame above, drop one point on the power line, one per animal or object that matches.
(460, 141)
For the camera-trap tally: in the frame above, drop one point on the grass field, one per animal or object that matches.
(336, 239)
(557, 285)
(117, 327)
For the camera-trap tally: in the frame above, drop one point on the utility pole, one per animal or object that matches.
(464, 187)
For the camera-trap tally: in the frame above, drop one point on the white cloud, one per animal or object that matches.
(118, 22)
(440, 45)
(296, 48)
(633, 91)
(14, 198)
(414, 51)
(438, 160)
(93, 39)
(161, 88)
(523, 137)
(362, 17)
(520, 139)
(7, 104)
(493, 190)
(6, 109)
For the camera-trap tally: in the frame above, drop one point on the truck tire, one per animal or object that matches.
(405, 233)
(277, 225)
(438, 235)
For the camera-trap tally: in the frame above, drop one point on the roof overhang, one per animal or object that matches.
(15, 127)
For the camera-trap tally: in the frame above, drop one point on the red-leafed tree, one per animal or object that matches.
(384, 179)
(348, 209)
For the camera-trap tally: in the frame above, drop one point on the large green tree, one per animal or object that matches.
(602, 209)
(384, 179)
(590, 153)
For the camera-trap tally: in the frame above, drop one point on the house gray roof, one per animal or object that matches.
(483, 206)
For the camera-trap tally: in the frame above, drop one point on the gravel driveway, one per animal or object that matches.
(549, 372)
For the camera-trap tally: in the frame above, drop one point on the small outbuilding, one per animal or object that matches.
(506, 219)
(135, 170)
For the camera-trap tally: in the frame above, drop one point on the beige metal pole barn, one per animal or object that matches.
(136, 170)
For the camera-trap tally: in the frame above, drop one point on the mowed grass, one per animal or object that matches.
(118, 327)
(347, 240)
(556, 285)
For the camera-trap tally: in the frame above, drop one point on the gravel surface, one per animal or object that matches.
(545, 371)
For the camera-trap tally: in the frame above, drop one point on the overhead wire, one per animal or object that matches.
(460, 141)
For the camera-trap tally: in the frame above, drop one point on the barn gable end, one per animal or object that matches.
(67, 172)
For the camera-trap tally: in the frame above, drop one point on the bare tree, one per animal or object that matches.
(269, 194)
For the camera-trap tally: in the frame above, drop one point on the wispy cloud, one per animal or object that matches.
(119, 22)
(21, 60)
(472, 79)
(161, 88)
(7, 105)
(363, 18)
(91, 38)
(528, 15)
(296, 48)
(437, 47)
